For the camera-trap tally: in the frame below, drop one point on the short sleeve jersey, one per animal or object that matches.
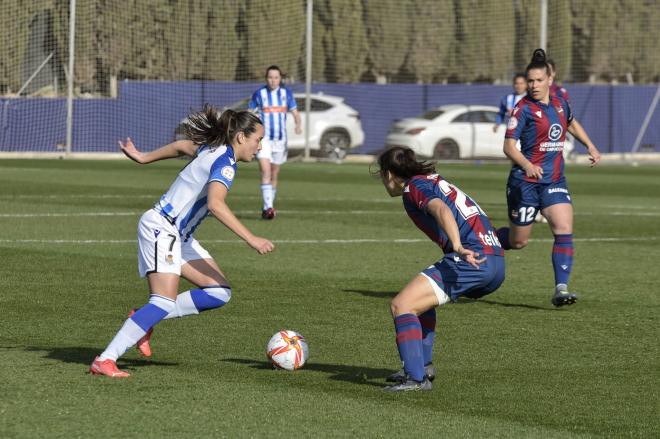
(186, 200)
(273, 106)
(541, 129)
(559, 92)
(476, 232)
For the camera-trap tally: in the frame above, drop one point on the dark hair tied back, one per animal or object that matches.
(539, 61)
(403, 163)
(212, 128)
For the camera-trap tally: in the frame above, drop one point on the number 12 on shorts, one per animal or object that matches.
(527, 214)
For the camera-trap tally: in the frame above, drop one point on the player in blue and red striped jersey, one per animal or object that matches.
(555, 88)
(536, 181)
(472, 266)
(273, 102)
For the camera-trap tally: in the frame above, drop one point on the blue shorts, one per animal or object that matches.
(525, 199)
(456, 277)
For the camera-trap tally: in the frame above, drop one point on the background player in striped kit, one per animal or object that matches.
(167, 249)
(555, 88)
(536, 181)
(273, 102)
(472, 266)
(509, 101)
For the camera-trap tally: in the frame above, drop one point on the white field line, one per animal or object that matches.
(289, 212)
(302, 241)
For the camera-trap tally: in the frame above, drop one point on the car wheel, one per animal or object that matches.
(334, 144)
(446, 149)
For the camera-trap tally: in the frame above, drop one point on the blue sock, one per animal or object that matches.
(427, 320)
(136, 326)
(503, 235)
(409, 342)
(562, 258)
(198, 300)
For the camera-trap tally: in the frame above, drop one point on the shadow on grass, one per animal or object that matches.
(85, 355)
(465, 301)
(371, 293)
(461, 300)
(353, 374)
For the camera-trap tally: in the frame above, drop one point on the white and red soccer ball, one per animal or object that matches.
(287, 350)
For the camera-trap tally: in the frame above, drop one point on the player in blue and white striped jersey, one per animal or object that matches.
(167, 249)
(273, 102)
(509, 101)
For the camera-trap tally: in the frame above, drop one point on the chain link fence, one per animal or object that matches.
(139, 66)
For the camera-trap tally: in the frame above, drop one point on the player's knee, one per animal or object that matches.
(218, 296)
(518, 243)
(399, 306)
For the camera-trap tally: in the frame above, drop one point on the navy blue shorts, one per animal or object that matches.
(456, 278)
(525, 199)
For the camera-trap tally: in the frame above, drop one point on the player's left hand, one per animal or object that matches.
(594, 155)
(298, 129)
(470, 257)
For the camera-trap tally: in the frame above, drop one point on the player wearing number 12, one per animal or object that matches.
(536, 181)
(472, 266)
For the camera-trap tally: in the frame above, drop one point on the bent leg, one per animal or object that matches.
(163, 288)
(416, 298)
(213, 292)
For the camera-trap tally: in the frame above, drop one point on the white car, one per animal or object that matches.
(335, 127)
(453, 132)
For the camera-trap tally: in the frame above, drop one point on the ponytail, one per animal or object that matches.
(403, 163)
(212, 128)
(539, 61)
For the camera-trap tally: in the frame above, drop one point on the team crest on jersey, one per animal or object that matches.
(555, 131)
(539, 114)
(513, 123)
(227, 172)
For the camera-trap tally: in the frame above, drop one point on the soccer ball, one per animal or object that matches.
(287, 350)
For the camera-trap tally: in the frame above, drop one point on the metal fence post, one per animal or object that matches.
(308, 75)
(69, 101)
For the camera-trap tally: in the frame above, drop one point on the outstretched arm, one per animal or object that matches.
(443, 215)
(578, 131)
(171, 150)
(219, 209)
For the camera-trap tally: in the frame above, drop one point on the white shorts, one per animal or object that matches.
(160, 248)
(273, 150)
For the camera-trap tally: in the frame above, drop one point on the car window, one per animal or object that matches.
(465, 117)
(431, 114)
(317, 104)
(483, 117)
(490, 116)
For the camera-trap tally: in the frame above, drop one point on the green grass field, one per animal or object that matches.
(509, 365)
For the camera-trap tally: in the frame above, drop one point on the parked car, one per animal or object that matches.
(453, 132)
(335, 127)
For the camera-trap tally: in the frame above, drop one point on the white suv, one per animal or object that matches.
(335, 127)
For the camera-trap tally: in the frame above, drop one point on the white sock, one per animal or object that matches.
(274, 193)
(267, 193)
(136, 326)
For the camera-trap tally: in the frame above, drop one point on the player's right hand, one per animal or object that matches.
(533, 171)
(261, 245)
(470, 257)
(129, 149)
